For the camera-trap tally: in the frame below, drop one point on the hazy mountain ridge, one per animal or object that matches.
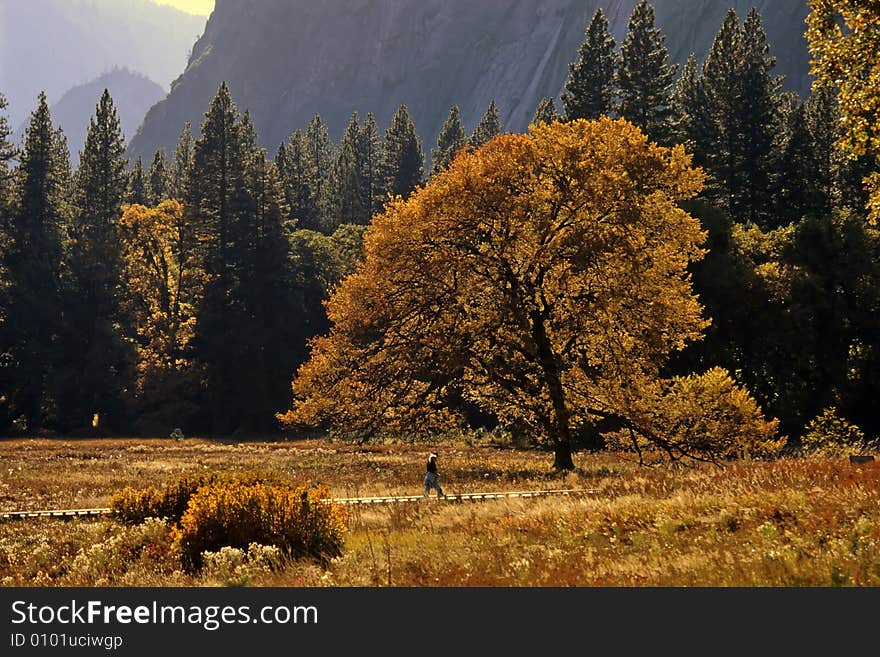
(133, 94)
(55, 45)
(287, 60)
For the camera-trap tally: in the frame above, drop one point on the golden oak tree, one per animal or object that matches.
(164, 279)
(542, 278)
(844, 39)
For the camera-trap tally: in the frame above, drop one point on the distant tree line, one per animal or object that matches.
(791, 280)
(183, 292)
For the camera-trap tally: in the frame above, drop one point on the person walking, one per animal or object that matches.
(432, 477)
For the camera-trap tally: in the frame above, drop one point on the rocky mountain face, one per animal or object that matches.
(133, 94)
(55, 45)
(286, 60)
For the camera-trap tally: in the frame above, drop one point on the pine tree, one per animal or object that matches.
(691, 122)
(837, 180)
(796, 165)
(216, 184)
(292, 167)
(181, 165)
(645, 77)
(590, 90)
(822, 120)
(722, 84)
(241, 342)
(487, 127)
(344, 201)
(263, 306)
(807, 164)
(137, 184)
(451, 139)
(546, 112)
(34, 261)
(404, 160)
(248, 134)
(741, 98)
(101, 186)
(218, 208)
(319, 154)
(757, 121)
(371, 157)
(7, 154)
(238, 203)
(157, 182)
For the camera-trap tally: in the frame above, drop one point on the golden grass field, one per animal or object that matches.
(796, 521)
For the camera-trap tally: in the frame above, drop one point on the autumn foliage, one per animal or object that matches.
(844, 39)
(698, 416)
(302, 522)
(542, 278)
(163, 276)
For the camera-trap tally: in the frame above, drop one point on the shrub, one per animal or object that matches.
(831, 434)
(236, 567)
(301, 522)
(132, 506)
(107, 561)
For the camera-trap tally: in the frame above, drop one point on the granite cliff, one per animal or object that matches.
(286, 60)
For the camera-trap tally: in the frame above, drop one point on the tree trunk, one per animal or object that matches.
(562, 455)
(559, 426)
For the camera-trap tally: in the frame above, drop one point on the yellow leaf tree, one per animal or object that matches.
(844, 39)
(542, 278)
(164, 280)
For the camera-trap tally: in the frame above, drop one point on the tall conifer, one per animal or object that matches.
(546, 112)
(319, 154)
(590, 90)
(262, 309)
(34, 259)
(102, 187)
(218, 208)
(691, 122)
(645, 77)
(7, 153)
(292, 166)
(237, 201)
(452, 137)
(371, 158)
(344, 200)
(404, 158)
(757, 121)
(487, 127)
(157, 181)
(741, 96)
(181, 163)
(722, 87)
(138, 191)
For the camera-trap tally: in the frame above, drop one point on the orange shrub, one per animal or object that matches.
(132, 506)
(301, 521)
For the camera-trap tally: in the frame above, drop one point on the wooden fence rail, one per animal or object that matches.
(395, 499)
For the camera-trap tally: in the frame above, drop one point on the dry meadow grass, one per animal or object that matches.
(789, 522)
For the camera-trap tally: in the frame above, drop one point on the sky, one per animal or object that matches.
(199, 7)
